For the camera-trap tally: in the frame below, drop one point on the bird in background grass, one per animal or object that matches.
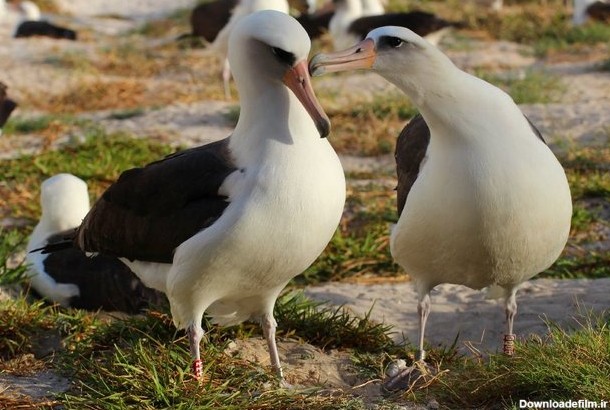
(70, 277)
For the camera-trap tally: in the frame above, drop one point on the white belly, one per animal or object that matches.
(279, 222)
(484, 218)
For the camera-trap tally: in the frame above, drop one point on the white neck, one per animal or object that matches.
(372, 7)
(580, 11)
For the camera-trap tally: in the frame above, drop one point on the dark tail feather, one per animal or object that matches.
(57, 242)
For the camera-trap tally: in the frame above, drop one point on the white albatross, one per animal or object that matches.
(482, 200)
(222, 228)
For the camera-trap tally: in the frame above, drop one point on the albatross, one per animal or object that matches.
(354, 19)
(482, 200)
(70, 277)
(223, 227)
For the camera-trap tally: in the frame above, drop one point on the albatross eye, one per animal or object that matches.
(284, 56)
(393, 42)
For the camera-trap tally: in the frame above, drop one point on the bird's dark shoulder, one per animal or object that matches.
(149, 211)
(411, 148)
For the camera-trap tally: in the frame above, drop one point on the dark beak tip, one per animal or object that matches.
(324, 128)
(315, 69)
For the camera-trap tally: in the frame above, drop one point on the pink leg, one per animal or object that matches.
(195, 334)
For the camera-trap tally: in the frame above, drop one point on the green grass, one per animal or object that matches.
(563, 36)
(330, 328)
(10, 242)
(567, 365)
(529, 88)
(143, 361)
(20, 125)
(368, 127)
(99, 161)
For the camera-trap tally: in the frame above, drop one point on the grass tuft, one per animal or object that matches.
(99, 161)
(10, 242)
(529, 87)
(567, 365)
(330, 328)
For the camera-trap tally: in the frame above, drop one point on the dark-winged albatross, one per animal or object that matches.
(350, 24)
(37, 28)
(222, 228)
(208, 19)
(242, 9)
(590, 9)
(484, 203)
(7, 106)
(69, 276)
(316, 23)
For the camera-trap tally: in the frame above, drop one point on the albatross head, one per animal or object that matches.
(268, 48)
(396, 53)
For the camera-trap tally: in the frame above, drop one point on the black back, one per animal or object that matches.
(149, 211)
(104, 282)
(44, 28)
(208, 19)
(420, 22)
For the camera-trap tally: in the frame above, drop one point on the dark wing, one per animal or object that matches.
(411, 148)
(420, 22)
(31, 28)
(6, 108)
(536, 130)
(317, 23)
(599, 11)
(104, 282)
(149, 211)
(6, 105)
(209, 18)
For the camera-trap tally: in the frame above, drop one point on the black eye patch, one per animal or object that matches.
(390, 42)
(284, 56)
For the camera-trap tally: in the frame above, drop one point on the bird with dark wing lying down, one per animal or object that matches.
(69, 276)
(36, 28)
(222, 228)
(585, 10)
(482, 200)
(7, 106)
(350, 24)
(209, 18)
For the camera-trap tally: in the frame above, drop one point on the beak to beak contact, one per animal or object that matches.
(362, 55)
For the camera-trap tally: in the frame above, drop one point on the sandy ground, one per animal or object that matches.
(458, 311)
(582, 116)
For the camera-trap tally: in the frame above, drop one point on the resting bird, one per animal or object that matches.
(7, 106)
(351, 24)
(70, 277)
(208, 19)
(223, 227)
(33, 28)
(584, 10)
(482, 200)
